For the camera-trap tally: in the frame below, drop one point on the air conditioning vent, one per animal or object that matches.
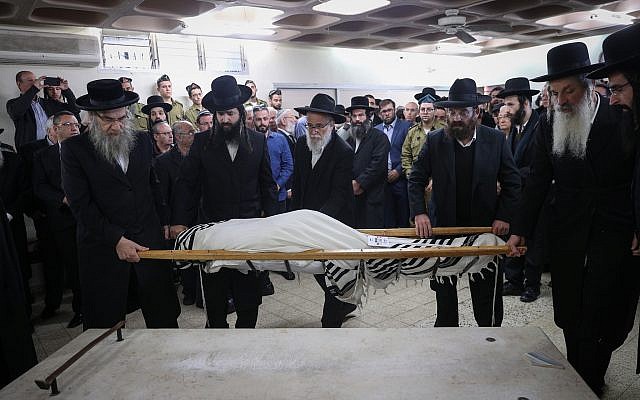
(19, 47)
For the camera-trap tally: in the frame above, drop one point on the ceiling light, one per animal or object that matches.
(240, 20)
(456, 48)
(588, 19)
(350, 7)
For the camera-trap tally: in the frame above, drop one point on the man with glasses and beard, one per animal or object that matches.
(523, 274)
(466, 161)
(621, 65)
(371, 148)
(110, 186)
(322, 182)
(582, 149)
(228, 173)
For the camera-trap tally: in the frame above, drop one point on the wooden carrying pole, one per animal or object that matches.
(351, 254)
(411, 232)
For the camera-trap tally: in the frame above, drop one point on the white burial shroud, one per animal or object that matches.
(303, 230)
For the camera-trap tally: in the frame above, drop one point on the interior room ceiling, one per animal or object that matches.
(491, 25)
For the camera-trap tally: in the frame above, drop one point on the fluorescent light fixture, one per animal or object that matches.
(456, 48)
(350, 7)
(588, 19)
(240, 20)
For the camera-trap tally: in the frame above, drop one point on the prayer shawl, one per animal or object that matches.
(348, 280)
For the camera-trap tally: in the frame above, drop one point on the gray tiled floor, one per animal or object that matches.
(299, 304)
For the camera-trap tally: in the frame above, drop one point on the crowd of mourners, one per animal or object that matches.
(104, 177)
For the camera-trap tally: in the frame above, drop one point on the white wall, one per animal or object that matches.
(381, 73)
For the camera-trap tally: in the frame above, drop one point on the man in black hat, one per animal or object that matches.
(140, 119)
(165, 90)
(466, 161)
(157, 111)
(583, 150)
(228, 173)
(371, 148)
(621, 65)
(107, 178)
(523, 274)
(323, 182)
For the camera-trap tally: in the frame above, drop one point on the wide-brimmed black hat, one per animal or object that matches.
(426, 95)
(105, 94)
(360, 103)
(340, 109)
(156, 101)
(618, 49)
(517, 87)
(566, 60)
(324, 104)
(463, 93)
(226, 94)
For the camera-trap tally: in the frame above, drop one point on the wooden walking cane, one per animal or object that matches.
(51, 380)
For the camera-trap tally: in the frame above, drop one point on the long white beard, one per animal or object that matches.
(317, 145)
(112, 148)
(571, 129)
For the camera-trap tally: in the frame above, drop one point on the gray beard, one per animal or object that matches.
(571, 130)
(316, 146)
(112, 148)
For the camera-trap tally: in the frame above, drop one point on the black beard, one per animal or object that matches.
(518, 117)
(358, 130)
(262, 129)
(231, 132)
(459, 131)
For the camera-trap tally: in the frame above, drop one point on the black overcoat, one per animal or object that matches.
(108, 204)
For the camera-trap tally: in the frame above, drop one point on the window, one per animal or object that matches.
(221, 55)
(126, 51)
(176, 50)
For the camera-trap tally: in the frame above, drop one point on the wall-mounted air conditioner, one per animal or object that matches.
(41, 48)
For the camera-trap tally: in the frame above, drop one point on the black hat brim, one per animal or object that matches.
(208, 101)
(506, 93)
(563, 74)
(336, 117)
(605, 69)
(481, 99)
(147, 109)
(84, 102)
(349, 109)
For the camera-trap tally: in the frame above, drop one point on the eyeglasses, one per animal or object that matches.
(616, 89)
(163, 133)
(501, 116)
(190, 133)
(68, 124)
(461, 112)
(111, 121)
(317, 126)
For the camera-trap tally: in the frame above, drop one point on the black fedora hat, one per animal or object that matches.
(463, 93)
(105, 94)
(340, 109)
(324, 104)
(618, 49)
(226, 94)
(567, 60)
(156, 101)
(517, 87)
(425, 94)
(360, 102)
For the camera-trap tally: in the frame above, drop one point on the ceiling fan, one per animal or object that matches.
(452, 23)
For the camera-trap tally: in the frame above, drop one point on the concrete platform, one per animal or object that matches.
(365, 363)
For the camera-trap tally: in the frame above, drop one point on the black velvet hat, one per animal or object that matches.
(105, 94)
(463, 93)
(156, 101)
(225, 94)
(426, 95)
(619, 49)
(517, 87)
(360, 102)
(567, 60)
(324, 104)
(340, 109)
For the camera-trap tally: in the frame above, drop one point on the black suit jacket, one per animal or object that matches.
(47, 188)
(492, 163)
(167, 167)
(524, 149)
(242, 188)
(326, 187)
(370, 171)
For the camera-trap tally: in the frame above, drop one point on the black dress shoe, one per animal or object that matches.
(267, 287)
(290, 276)
(47, 313)
(188, 300)
(509, 289)
(75, 321)
(530, 294)
(231, 307)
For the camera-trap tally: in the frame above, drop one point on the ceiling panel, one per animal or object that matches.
(403, 24)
